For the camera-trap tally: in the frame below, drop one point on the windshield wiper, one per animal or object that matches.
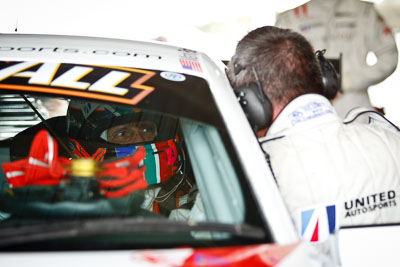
(90, 227)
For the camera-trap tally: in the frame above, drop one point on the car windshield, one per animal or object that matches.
(79, 172)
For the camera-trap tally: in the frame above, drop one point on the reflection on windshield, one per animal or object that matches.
(101, 160)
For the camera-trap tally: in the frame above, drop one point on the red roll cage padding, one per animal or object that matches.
(43, 167)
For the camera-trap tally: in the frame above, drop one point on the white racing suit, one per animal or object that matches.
(350, 166)
(353, 28)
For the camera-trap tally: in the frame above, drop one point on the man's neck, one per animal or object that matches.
(276, 110)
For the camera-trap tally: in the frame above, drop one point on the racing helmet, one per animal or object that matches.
(107, 131)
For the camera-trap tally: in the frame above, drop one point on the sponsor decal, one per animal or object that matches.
(346, 25)
(308, 112)
(317, 222)
(206, 259)
(188, 60)
(370, 203)
(166, 257)
(190, 65)
(117, 84)
(87, 109)
(344, 14)
(249, 255)
(305, 28)
(63, 50)
(173, 76)
(309, 26)
(346, 36)
(301, 11)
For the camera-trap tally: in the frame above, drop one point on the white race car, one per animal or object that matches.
(131, 153)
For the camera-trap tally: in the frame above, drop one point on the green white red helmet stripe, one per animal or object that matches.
(151, 161)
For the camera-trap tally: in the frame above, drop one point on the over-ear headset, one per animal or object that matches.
(330, 77)
(258, 107)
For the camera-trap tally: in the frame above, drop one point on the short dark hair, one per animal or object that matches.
(284, 61)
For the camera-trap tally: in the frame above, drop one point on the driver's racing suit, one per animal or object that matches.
(317, 158)
(353, 28)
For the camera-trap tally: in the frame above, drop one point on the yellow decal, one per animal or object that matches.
(43, 75)
(70, 79)
(96, 82)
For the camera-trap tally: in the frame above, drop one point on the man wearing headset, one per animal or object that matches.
(350, 168)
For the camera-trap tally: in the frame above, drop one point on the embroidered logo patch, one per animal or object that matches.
(310, 111)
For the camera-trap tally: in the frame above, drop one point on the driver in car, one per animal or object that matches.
(102, 131)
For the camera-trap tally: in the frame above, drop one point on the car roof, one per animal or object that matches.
(96, 50)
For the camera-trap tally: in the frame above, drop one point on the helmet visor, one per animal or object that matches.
(131, 133)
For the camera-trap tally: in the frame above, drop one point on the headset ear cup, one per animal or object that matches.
(256, 105)
(330, 77)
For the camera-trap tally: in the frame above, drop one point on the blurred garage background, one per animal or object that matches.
(209, 25)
